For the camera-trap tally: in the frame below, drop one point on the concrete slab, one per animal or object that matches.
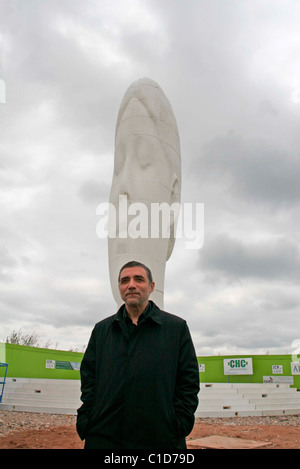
(39, 409)
(224, 442)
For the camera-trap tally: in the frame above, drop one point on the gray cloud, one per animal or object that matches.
(7, 263)
(235, 259)
(94, 192)
(256, 171)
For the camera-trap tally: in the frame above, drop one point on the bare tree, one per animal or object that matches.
(33, 340)
(17, 337)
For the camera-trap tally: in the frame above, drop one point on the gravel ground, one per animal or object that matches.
(11, 421)
(281, 420)
(24, 430)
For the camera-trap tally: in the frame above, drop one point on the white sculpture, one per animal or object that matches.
(147, 169)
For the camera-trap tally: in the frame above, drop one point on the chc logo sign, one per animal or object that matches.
(238, 363)
(238, 366)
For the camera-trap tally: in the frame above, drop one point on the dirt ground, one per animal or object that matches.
(278, 436)
(21, 430)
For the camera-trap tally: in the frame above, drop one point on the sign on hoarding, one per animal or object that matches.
(63, 365)
(277, 369)
(278, 379)
(238, 366)
(50, 364)
(295, 368)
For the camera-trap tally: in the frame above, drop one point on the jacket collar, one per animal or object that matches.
(154, 313)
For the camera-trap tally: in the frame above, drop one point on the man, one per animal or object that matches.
(139, 374)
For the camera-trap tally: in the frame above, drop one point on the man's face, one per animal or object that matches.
(134, 286)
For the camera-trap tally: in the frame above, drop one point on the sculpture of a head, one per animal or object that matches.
(147, 170)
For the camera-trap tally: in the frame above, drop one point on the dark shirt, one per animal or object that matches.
(130, 327)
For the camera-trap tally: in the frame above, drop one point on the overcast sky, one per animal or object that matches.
(231, 71)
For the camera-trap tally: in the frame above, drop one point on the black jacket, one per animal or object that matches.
(139, 389)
